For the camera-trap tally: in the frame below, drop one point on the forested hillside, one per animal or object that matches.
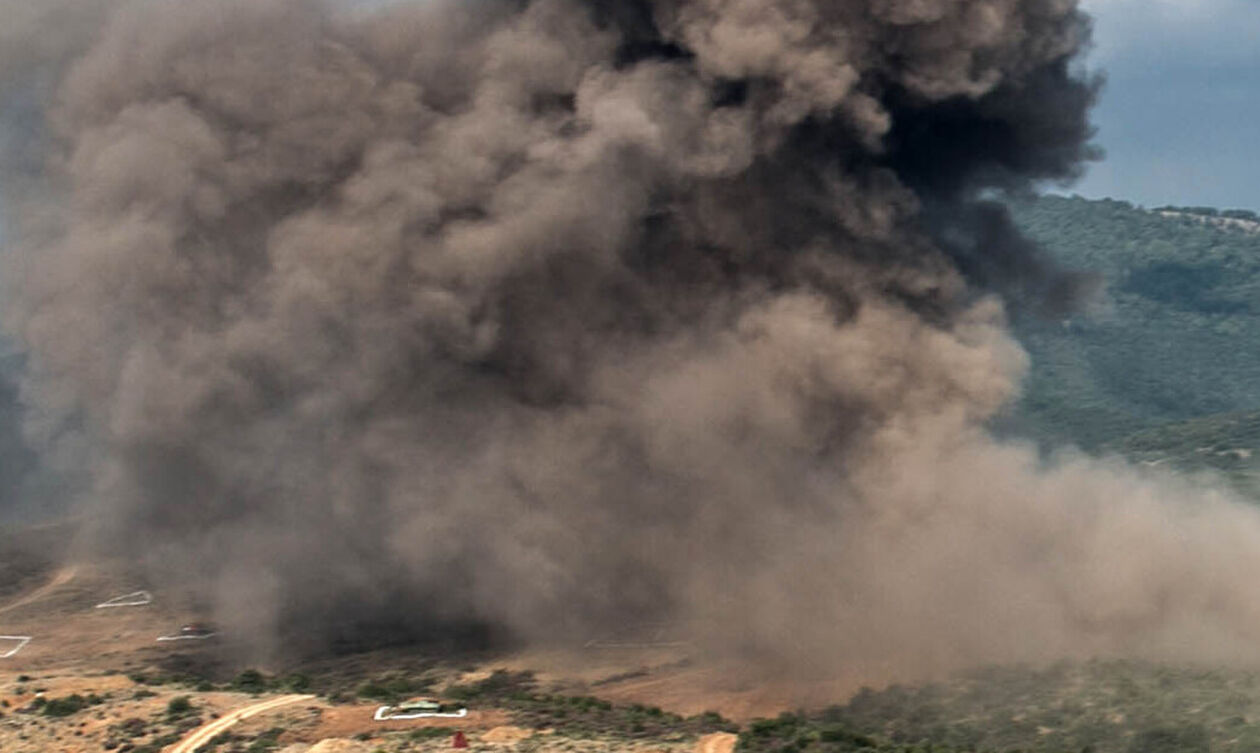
(1175, 334)
(1164, 366)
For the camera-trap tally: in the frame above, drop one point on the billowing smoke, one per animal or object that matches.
(548, 316)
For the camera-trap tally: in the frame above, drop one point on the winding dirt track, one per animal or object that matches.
(60, 578)
(206, 732)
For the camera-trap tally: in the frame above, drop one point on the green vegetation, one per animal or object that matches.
(186, 679)
(1226, 444)
(1176, 335)
(133, 727)
(180, 705)
(157, 744)
(582, 716)
(58, 707)
(1106, 707)
(251, 681)
(394, 688)
(793, 733)
(71, 704)
(297, 683)
(269, 740)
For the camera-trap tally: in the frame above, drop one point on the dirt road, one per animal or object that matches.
(62, 577)
(718, 742)
(206, 732)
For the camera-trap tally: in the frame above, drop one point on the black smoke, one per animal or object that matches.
(542, 317)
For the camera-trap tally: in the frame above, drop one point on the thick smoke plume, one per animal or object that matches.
(548, 316)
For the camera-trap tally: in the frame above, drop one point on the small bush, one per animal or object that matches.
(266, 741)
(59, 707)
(500, 684)
(179, 706)
(250, 681)
(298, 683)
(393, 688)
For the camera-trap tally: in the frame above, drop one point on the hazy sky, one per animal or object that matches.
(1180, 117)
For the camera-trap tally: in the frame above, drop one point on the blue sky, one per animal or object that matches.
(1180, 116)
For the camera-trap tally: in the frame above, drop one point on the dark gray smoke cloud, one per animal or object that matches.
(545, 316)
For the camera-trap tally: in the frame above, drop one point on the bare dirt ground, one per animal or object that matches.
(676, 680)
(109, 657)
(59, 578)
(352, 721)
(719, 742)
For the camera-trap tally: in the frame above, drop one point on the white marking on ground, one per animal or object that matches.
(22, 640)
(186, 637)
(382, 715)
(136, 599)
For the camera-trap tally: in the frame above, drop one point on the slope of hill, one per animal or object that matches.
(1100, 706)
(1175, 335)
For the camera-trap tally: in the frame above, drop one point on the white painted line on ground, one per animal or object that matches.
(22, 640)
(186, 637)
(382, 715)
(136, 599)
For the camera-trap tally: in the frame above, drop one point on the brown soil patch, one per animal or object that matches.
(59, 578)
(348, 721)
(670, 679)
(506, 734)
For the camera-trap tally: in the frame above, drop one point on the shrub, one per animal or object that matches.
(250, 681)
(266, 741)
(391, 689)
(178, 706)
(298, 682)
(71, 704)
(500, 684)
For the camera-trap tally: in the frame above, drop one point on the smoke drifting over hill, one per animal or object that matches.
(550, 315)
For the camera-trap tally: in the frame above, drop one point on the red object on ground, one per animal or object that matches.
(459, 741)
